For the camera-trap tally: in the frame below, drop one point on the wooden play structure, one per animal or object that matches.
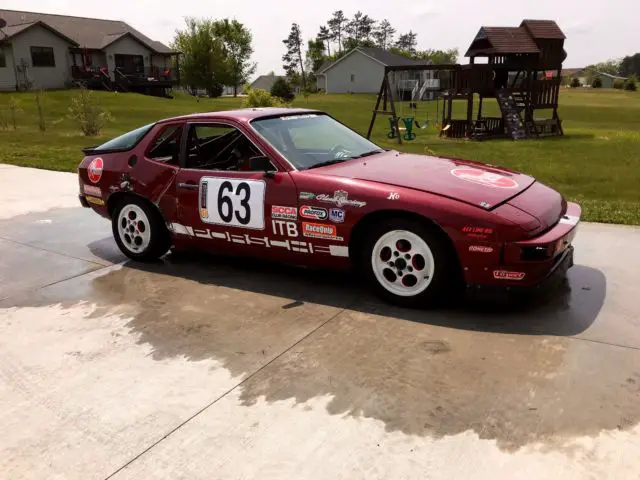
(522, 72)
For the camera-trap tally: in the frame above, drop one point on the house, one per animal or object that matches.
(265, 82)
(607, 79)
(568, 74)
(361, 71)
(39, 50)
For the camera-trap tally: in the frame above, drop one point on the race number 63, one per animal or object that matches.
(232, 201)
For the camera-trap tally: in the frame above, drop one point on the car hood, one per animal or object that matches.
(475, 183)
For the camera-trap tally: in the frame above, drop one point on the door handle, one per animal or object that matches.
(188, 186)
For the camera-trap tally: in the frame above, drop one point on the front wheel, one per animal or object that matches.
(139, 230)
(407, 263)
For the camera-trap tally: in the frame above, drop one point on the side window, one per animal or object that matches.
(165, 147)
(219, 147)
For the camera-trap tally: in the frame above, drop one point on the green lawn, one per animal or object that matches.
(596, 163)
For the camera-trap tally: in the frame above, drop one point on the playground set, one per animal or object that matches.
(522, 72)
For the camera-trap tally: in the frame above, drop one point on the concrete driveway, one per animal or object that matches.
(218, 368)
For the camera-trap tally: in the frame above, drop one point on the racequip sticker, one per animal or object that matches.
(91, 190)
(341, 199)
(314, 213)
(507, 275)
(480, 249)
(94, 170)
(279, 212)
(336, 215)
(320, 230)
(483, 177)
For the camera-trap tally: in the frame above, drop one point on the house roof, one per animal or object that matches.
(93, 33)
(380, 55)
(613, 77)
(545, 29)
(265, 82)
(11, 31)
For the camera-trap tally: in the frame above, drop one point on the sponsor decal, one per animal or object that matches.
(266, 242)
(480, 249)
(485, 178)
(507, 275)
(204, 213)
(91, 190)
(94, 170)
(477, 232)
(94, 200)
(341, 199)
(315, 213)
(393, 196)
(284, 213)
(297, 117)
(320, 230)
(336, 215)
(307, 196)
(281, 227)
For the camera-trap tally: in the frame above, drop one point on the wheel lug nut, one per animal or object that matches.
(410, 269)
(391, 264)
(399, 273)
(396, 254)
(407, 256)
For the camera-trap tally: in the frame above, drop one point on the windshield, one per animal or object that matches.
(126, 141)
(313, 140)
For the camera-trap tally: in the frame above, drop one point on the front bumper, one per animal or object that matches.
(536, 262)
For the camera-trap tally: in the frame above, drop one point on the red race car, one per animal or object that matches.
(298, 186)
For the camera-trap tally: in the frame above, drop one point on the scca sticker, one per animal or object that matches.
(485, 178)
(94, 170)
(280, 212)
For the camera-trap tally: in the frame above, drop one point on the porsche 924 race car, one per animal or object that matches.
(298, 186)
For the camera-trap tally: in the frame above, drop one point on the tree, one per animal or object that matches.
(236, 39)
(383, 34)
(631, 84)
(315, 54)
(597, 83)
(292, 59)
(575, 83)
(630, 65)
(282, 90)
(407, 42)
(359, 29)
(439, 57)
(612, 67)
(325, 36)
(336, 26)
(203, 63)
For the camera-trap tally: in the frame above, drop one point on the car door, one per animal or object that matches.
(226, 205)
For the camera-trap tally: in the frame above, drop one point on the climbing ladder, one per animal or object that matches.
(511, 108)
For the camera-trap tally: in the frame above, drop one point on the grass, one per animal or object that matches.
(596, 163)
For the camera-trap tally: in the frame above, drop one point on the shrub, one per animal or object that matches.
(631, 84)
(597, 83)
(257, 97)
(282, 89)
(85, 111)
(619, 84)
(215, 90)
(575, 83)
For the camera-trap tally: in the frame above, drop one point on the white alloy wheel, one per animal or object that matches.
(134, 228)
(403, 263)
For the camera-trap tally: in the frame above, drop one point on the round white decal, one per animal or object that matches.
(482, 177)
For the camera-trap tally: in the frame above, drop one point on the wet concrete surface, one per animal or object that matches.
(174, 361)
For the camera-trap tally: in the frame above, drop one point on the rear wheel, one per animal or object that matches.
(408, 263)
(139, 230)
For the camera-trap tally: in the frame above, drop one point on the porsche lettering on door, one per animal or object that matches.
(232, 202)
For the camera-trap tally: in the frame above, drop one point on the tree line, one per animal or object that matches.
(341, 34)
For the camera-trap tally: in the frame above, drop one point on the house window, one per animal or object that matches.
(42, 57)
(353, 78)
(3, 59)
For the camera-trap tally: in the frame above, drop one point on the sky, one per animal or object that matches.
(595, 30)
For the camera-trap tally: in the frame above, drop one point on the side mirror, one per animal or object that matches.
(262, 164)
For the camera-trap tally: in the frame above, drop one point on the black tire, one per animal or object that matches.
(159, 240)
(446, 266)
